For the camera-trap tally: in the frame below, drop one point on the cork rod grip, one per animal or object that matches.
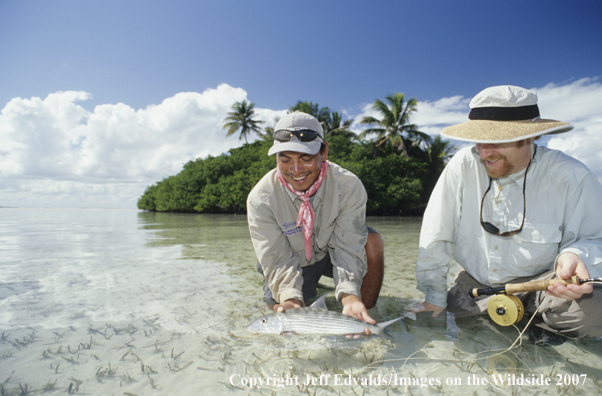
(512, 288)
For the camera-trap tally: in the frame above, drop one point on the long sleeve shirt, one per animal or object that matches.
(339, 229)
(563, 202)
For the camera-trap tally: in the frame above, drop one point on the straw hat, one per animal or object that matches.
(504, 114)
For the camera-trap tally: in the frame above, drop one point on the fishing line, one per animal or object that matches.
(519, 338)
(506, 309)
(492, 291)
(502, 351)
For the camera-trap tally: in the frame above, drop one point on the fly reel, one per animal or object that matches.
(505, 309)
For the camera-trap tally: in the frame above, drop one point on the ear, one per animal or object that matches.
(325, 152)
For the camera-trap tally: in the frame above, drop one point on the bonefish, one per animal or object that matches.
(316, 319)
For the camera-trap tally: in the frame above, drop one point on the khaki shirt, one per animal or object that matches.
(339, 229)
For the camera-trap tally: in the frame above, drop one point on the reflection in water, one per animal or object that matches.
(128, 302)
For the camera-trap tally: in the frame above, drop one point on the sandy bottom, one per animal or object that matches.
(133, 303)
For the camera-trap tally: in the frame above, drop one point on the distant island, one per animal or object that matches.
(399, 168)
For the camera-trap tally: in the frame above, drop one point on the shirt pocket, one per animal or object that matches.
(296, 239)
(538, 246)
(323, 235)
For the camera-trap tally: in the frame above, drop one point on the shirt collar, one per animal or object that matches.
(518, 177)
(316, 198)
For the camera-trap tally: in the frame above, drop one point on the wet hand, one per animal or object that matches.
(568, 265)
(427, 307)
(353, 306)
(288, 304)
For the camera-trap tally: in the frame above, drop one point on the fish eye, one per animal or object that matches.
(264, 321)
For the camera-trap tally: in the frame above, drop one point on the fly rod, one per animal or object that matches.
(511, 288)
(506, 309)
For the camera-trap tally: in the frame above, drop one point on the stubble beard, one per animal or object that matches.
(504, 171)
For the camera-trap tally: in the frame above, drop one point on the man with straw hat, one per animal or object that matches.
(506, 209)
(306, 219)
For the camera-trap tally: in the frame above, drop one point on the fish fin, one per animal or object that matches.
(288, 333)
(382, 325)
(320, 303)
(410, 315)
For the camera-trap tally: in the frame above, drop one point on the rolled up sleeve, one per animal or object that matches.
(582, 233)
(279, 262)
(437, 237)
(347, 245)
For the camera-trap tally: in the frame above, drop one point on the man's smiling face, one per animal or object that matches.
(504, 159)
(299, 169)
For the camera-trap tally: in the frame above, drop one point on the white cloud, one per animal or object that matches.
(431, 117)
(269, 116)
(579, 103)
(55, 153)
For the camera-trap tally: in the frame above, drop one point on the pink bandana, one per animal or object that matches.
(306, 212)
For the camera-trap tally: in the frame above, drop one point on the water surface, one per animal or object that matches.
(125, 302)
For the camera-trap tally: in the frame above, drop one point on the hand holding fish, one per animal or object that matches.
(291, 303)
(317, 319)
(354, 307)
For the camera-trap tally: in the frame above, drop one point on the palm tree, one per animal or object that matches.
(268, 131)
(322, 114)
(336, 127)
(438, 152)
(242, 118)
(395, 123)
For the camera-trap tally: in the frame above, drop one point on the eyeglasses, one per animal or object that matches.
(490, 228)
(304, 135)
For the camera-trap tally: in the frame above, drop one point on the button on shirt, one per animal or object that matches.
(563, 199)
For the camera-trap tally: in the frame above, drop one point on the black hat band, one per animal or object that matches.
(504, 113)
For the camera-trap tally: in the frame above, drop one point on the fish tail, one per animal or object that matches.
(382, 325)
(410, 315)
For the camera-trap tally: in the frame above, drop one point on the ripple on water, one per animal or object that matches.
(118, 302)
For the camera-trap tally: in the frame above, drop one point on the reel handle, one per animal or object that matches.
(512, 288)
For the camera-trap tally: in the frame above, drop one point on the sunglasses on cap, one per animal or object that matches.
(303, 135)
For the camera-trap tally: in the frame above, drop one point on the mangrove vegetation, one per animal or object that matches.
(398, 168)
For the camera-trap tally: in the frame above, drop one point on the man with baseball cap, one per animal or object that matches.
(507, 210)
(306, 219)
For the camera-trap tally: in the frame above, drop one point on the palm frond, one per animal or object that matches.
(242, 118)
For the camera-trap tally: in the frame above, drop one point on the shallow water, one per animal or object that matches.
(124, 302)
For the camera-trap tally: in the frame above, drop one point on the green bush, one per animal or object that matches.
(395, 184)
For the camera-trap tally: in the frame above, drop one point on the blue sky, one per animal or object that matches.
(112, 67)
